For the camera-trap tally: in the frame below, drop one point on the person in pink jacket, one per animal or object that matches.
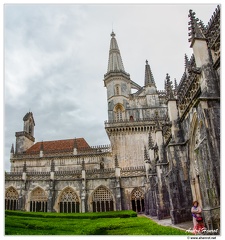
(196, 213)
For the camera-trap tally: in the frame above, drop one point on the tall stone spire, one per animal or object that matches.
(115, 63)
(149, 79)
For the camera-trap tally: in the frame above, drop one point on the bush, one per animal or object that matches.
(106, 223)
(111, 214)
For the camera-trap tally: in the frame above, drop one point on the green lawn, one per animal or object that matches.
(109, 223)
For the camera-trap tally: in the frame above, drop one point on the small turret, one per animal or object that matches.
(29, 123)
(25, 139)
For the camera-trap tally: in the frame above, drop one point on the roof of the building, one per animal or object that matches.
(59, 146)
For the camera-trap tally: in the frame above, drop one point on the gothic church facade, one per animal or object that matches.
(164, 147)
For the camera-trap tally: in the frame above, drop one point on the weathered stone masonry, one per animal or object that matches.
(164, 145)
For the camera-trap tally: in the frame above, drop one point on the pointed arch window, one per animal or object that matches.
(11, 199)
(137, 200)
(38, 200)
(119, 112)
(69, 201)
(102, 200)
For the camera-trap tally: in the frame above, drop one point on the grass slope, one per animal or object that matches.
(120, 223)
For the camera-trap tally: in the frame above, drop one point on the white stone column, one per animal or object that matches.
(83, 191)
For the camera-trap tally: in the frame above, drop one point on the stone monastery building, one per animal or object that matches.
(164, 147)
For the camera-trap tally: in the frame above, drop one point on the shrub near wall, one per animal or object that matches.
(108, 223)
(112, 214)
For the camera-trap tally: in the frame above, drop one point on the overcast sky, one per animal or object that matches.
(55, 58)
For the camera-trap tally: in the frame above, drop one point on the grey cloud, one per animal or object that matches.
(56, 57)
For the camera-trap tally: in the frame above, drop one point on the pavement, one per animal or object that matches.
(167, 222)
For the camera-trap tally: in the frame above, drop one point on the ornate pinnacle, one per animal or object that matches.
(116, 162)
(186, 61)
(202, 26)
(175, 84)
(175, 87)
(24, 167)
(149, 79)
(83, 164)
(12, 149)
(169, 88)
(52, 166)
(156, 118)
(195, 28)
(146, 157)
(150, 141)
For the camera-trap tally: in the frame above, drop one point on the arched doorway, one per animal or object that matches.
(11, 199)
(102, 200)
(38, 200)
(137, 200)
(69, 201)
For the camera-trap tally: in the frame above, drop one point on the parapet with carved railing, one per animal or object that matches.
(100, 170)
(75, 172)
(94, 150)
(137, 120)
(13, 176)
(130, 169)
(133, 171)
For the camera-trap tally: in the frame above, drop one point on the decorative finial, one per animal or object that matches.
(146, 62)
(113, 34)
